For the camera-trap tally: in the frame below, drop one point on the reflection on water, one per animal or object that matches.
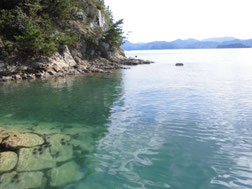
(153, 126)
(72, 100)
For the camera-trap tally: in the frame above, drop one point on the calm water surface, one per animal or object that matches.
(152, 126)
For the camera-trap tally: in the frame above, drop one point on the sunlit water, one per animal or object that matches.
(152, 126)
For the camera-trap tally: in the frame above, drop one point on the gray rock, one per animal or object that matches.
(24, 76)
(6, 78)
(81, 15)
(25, 180)
(40, 63)
(17, 77)
(31, 76)
(2, 65)
(102, 20)
(33, 159)
(65, 174)
(147, 62)
(133, 61)
(179, 64)
(8, 160)
(51, 73)
(18, 140)
(38, 75)
(105, 46)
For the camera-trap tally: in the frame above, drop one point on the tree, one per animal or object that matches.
(114, 35)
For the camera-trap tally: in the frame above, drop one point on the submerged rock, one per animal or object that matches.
(8, 180)
(8, 160)
(25, 180)
(3, 136)
(18, 140)
(65, 174)
(33, 159)
(60, 147)
(1, 129)
(82, 145)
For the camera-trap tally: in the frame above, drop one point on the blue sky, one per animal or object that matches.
(167, 20)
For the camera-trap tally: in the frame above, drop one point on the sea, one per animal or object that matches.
(152, 126)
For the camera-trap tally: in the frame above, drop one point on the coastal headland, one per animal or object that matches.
(45, 39)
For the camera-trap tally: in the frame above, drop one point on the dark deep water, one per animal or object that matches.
(152, 126)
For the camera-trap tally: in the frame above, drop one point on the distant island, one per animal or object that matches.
(210, 43)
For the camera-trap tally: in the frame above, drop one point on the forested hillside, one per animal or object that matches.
(44, 27)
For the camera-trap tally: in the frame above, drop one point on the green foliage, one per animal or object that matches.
(114, 35)
(41, 27)
(49, 48)
(7, 21)
(8, 4)
(92, 38)
(69, 40)
(58, 8)
(27, 28)
(6, 48)
(30, 40)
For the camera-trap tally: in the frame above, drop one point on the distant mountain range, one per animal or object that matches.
(210, 43)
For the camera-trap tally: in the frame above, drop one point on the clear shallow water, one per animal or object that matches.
(153, 126)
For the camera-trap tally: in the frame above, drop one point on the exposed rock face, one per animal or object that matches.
(18, 140)
(57, 61)
(64, 60)
(102, 20)
(61, 65)
(65, 174)
(33, 159)
(8, 160)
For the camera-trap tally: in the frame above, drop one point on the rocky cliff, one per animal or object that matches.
(41, 39)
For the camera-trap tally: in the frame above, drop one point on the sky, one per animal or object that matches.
(167, 20)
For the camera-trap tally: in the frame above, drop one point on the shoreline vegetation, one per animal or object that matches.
(45, 39)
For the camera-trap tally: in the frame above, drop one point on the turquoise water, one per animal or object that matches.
(152, 126)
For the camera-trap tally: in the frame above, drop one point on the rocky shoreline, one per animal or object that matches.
(62, 65)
